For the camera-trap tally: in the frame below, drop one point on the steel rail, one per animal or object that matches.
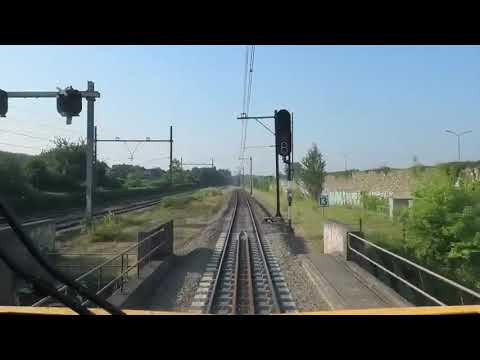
(236, 275)
(225, 246)
(276, 305)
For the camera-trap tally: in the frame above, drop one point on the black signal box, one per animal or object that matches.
(283, 133)
(3, 103)
(69, 104)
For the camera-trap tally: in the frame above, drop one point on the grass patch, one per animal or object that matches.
(184, 209)
(309, 219)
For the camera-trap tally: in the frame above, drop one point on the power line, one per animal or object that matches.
(249, 62)
(22, 146)
(250, 79)
(26, 135)
(245, 81)
(47, 125)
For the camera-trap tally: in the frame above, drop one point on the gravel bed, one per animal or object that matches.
(290, 259)
(177, 290)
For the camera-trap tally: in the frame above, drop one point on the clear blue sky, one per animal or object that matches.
(380, 104)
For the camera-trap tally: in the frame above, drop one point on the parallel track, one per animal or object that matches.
(65, 222)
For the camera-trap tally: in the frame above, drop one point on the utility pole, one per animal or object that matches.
(90, 139)
(171, 155)
(251, 178)
(289, 188)
(458, 135)
(345, 157)
(95, 156)
(212, 163)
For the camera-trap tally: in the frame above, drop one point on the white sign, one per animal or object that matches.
(323, 200)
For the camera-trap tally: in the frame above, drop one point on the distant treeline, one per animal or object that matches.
(56, 178)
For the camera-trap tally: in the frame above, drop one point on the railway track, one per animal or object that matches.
(65, 222)
(242, 276)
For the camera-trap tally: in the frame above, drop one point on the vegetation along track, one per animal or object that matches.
(242, 276)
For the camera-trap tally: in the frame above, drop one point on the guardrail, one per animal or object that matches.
(418, 285)
(151, 245)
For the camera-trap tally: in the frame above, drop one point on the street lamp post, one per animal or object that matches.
(458, 135)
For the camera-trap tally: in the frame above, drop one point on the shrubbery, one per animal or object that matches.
(443, 228)
(374, 203)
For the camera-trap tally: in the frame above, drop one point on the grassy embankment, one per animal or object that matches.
(189, 211)
(308, 221)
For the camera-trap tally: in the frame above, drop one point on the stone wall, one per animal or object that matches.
(385, 184)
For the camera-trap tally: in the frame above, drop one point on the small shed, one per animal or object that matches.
(396, 203)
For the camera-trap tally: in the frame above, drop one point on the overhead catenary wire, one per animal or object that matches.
(247, 92)
(25, 135)
(245, 81)
(22, 146)
(250, 79)
(46, 124)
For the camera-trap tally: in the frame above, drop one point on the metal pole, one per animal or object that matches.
(291, 142)
(458, 138)
(251, 178)
(278, 182)
(277, 176)
(95, 156)
(243, 177)
(289, 191)
(171, 155)
(212, 164)
(90, 141)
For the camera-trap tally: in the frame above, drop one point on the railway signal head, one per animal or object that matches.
(3, 103)
(283, 134)
(69, 103)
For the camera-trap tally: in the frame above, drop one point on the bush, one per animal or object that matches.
(107, 229)
(177, 201)
(374, 203)
(443, 229)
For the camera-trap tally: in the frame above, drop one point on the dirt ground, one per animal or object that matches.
(177, 290)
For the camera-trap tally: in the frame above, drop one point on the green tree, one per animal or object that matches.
(12, 179)
(37, 173)
(312, 172)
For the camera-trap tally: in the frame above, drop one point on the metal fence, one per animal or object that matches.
(151, 245)
(416, 284)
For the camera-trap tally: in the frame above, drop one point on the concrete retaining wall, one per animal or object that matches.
(43, 234)
(335, 237)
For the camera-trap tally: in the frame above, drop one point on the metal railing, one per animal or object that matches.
(417, 284)
(148, 246)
